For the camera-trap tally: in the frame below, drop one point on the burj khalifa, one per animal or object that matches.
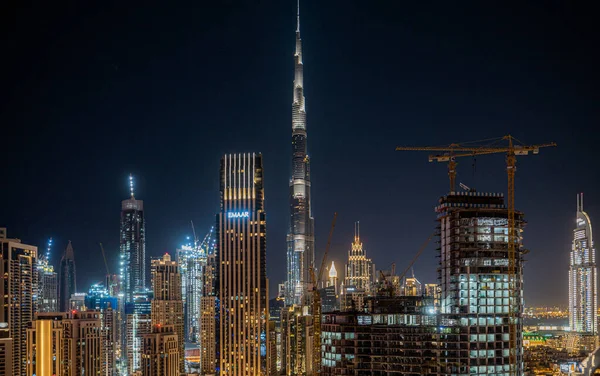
(300, 238)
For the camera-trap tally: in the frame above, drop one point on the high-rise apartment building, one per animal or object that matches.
(46, 345)
(132, 246)
(411, 287)
(66, 344)
(167, 305)
(481, 301)
(297, 331)
(300, 238)
(161, 355)
(6, 344)
(138, 322)
(18, 291)
(242, 288)
(67, 276)
(583, 276)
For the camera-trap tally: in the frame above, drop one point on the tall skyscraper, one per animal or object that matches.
(68, 284)
(18, 292)
(583, 276)
(167, 305)
(300, 238)
(481, 299)
(192, 259)
(132, 246)
(47, 283)
(243, 312)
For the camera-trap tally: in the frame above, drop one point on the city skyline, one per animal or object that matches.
(547, 235)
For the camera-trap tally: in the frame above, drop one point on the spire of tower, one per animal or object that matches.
(69, 254)
(298, 18)
(131, 185)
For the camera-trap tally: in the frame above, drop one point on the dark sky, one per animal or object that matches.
(95, 91)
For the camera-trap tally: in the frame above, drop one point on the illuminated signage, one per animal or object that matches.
(238, 215)
(580, 222)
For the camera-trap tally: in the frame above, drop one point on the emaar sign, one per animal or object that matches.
(238, 215)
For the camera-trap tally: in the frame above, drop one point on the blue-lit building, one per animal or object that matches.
(98, 298)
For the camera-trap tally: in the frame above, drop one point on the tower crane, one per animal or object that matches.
(104, 257)
(512, 150)
(317, 302)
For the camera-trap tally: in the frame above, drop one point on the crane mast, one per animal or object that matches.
(512, 150)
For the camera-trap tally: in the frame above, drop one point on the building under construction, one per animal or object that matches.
(397, 336)
(481, 301)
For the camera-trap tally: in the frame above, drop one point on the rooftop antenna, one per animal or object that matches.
(48, 249)
(131, 185)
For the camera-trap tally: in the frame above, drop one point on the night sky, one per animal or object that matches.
(95, 91)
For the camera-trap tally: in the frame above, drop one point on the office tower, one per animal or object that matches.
(45, 344)
(583, 275)
(161, 356)
(18, 292)
(47, 283)
(275, 307)
(6, 354)
(241, 267)
(67, 276)
(481, 300)
(360, 270)
(167, 305)
(132, 246)
(397, 336)
(297, 331)
(300, 238)
(138, 322)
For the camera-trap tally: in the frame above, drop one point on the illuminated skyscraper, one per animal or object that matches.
(583, 274)
(360, 271)
(167, 305)
(67, 276)
(133, 246)
(18, 292)
(192, 259)
(47, 283)
(300, 238)
(242, 287)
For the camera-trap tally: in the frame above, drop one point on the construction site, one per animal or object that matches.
(469, 323)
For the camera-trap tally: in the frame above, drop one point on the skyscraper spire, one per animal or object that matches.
(300, 238)
(298, 18)
(131, 185)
